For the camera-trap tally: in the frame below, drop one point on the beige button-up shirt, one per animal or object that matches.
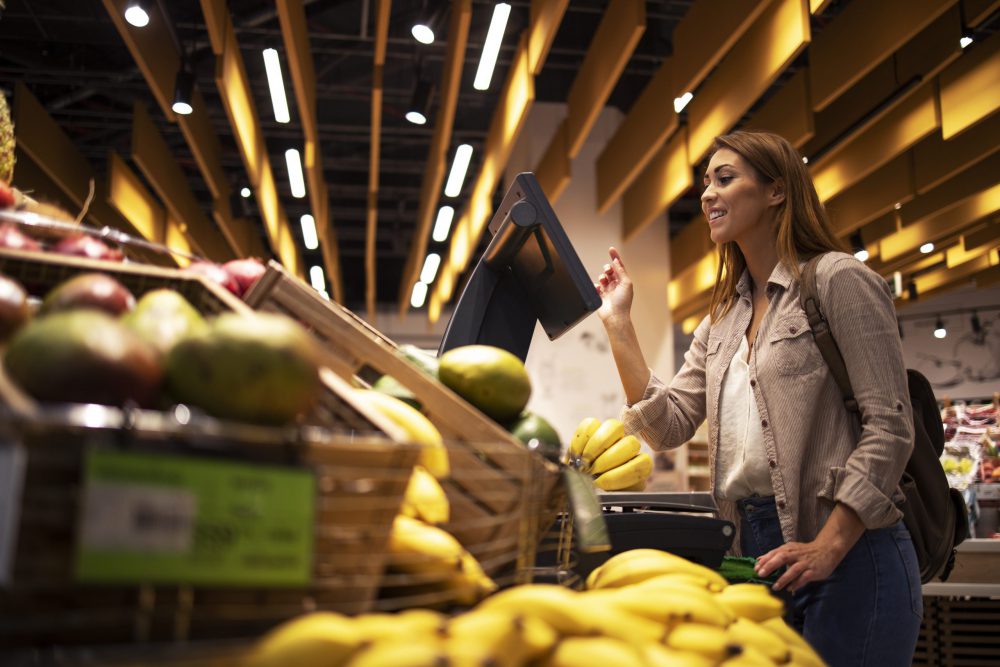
(818, 453)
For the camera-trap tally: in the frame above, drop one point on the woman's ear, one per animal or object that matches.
(776, 193)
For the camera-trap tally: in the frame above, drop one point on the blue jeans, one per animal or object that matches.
(868, 612)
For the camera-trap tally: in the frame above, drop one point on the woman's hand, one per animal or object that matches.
(806, 561)
(615, 288)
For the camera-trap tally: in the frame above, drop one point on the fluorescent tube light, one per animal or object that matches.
(443, 224)
(682, 101)
(317, 279)
(463, 155)
(309, 238)
(418, 295)
(295, 178)
(491, 47)
(274, 81)
(431, 264)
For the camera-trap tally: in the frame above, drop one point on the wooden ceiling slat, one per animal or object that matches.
(873, 196)
(977, 11)
(753, 64)
(691, 244)
(961, 186)
(817, 7)
(969, 88)
(936, 160)
(859, 38)
(788, 112)
(157, 163)
(545, 16)
(989, 234)
(931, 50)
(621, 27)
(943, 279)
(649, 123)
(693, 281)
(382, 9)
(553, 169)
(134, 202)
(437, 156)
(667, 176)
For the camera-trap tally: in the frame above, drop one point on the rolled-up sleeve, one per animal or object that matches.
(667, 415)
(857, 303)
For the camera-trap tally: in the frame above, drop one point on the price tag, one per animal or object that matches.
(180, 520)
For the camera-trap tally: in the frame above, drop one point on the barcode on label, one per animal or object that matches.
(135, 517)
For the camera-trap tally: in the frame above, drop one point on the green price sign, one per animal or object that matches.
(161, 519)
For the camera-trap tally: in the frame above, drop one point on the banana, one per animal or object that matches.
(752, 635)
(633, 471)
(433, 455)
(408, 652)
(314, 640)
(707, 640)
(657, 655)
(793, 639)
(696, 579)
(425, 499)
(412, 622)
(638, 486)
(581, 436)
(594, 652)
(608, 433)
(637, 565)
(805, 657)
(750, 657)
(489, 636)
(538, 636)
(669, 606)
(418, 548)
(753, 601)
(615, 455)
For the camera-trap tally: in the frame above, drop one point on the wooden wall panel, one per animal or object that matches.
(690, 245)
(665, 179)
(861, 37)
(649, 123)
(873, 196)
(623, 23)
(134, 202)
(705, 35)
(936, 160)
(969, 88)
(904, 126)
(753, 64)
(788, 112)
(553, 170)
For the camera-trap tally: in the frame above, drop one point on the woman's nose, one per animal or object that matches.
(707, 193)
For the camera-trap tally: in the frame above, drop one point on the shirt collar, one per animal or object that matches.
(780, 276)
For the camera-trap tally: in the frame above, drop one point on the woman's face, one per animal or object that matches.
(734, 201)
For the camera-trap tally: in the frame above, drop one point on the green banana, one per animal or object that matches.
(627, 474)
(608, 433)
(615, 455)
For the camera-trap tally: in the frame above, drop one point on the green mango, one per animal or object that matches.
(163, 317)
(530, 426)
(492, 379)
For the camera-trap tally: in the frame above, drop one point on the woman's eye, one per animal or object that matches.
(725, 179)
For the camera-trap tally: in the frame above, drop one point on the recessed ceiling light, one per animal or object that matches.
(418, 295)
(309, 238)
(463, 155)
(431, 264)
(927, 248)
(245, 192)
(422, 33)
(443, 224)
(136, 14)
(295, 178)
(682, 101)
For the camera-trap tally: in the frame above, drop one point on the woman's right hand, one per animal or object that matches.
(615, 289)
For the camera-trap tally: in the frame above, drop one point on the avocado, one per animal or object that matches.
(261, 367)
(492, 379)
(530, 426)
(89, 290)
(162, 317)
(84, 356)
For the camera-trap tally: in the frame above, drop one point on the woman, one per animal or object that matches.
(812, 490)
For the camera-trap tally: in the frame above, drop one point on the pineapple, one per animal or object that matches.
(6, 142)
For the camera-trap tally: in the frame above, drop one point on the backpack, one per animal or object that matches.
(934, 513)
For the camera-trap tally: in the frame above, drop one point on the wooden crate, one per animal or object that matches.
(500, 493)
(360, 485)
(959, 632)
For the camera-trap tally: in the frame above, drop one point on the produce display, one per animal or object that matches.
(642, 607)
(603, 450)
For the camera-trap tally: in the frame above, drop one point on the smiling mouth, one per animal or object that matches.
(716, 215)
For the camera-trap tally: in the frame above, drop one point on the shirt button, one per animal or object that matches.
(772, 463)
(753, 383)
(899, 407)
(763, 422)
(781, 504)
(792, 329)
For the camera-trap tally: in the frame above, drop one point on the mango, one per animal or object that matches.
(492, 379)
(89, 290)
(162, 318)
(530, 426)
(261, 368)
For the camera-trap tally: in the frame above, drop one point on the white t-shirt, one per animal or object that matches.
(741, 462)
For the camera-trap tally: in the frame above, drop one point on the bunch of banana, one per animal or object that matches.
(613, 458)
(419, 429)
(425, 499)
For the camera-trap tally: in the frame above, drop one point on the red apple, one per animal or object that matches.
(245, 272)
(215, 273)
(7, 198)
(12, 237)
(84, 245)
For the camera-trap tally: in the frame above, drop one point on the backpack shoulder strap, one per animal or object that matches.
(809, 300)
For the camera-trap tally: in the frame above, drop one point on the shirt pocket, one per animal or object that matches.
(792, 346)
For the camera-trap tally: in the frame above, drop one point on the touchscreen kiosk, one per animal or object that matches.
(529, 273)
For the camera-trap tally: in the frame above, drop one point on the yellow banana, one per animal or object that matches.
(608, 433)
(488, 636)
(633, 471)
(708, 640)
(314, 640)
(614, 621)
(425, 499)
(637, 565)
(615, 455)
(778, 626)
(749, 657)
(805, 657)
(669, 606)
(750, 634)
(638, 486)
(594, 652)
(538, 636)
(408, 652)
(412, 622)
(753, 601)
(419, 548)
(433, 455)
(696, 579)
(582, 435)
(657, 655)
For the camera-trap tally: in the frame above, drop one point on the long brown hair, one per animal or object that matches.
(803, 230)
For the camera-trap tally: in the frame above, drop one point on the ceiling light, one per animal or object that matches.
(183, 89)
(443, 224)
(418, 295)
(309, 238)
(431, 264)
(295, 178)
(420, 102)
(858, 247)
(136, 14)
(317, 279)
(423, 33)
(682, 101)
(463, 155)
(277, 86)
(897, 283)
(805, 160)
(245, 192)
(897, 205)
(939, 330)
(927, 248)
(491, 48)
(966, 39)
